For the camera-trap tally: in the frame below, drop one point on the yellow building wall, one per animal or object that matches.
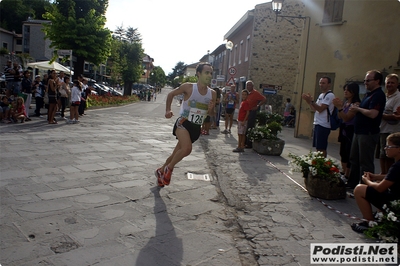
(367, 39)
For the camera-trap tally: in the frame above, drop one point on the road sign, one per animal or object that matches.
(64, 52)
(213, 83)
(232, 71)
(230, 81)
(220, 77)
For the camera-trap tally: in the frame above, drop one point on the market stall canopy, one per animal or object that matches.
(52, 66)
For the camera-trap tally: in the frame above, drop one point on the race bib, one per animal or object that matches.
(231, 102)
(196, 116)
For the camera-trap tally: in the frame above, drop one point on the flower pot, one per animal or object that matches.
(269, 146)
(324, 189)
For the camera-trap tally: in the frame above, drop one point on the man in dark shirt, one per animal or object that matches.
(366, 128)
(9, 75)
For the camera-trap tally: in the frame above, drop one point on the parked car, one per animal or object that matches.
(100, 89)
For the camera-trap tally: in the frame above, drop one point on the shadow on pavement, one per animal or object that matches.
(165, 248)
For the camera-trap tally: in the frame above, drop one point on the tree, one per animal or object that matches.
(157, 77)
(82, 26)
(175, 78)
(126, 57)
(14, 12)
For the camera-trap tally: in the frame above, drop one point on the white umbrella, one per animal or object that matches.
(52, 66)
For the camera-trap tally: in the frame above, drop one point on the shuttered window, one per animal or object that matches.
(333, 11)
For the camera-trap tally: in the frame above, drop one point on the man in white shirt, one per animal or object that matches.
(322, 127)
(389, 123)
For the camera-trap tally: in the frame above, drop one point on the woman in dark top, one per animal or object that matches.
(346, 131)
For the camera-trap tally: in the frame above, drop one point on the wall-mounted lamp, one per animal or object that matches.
(277, 8)
(229, 45)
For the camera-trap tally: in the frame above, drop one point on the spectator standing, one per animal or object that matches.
(287, 109)
(52, 93)
(322, 126)
(243, 115)
(9, 75)
(231, 100)
(64, 94)
(389, 123)
(82, 106)
(75, 102)
(18, 74)
(217, 109)
(379, 189)
(198, 100)
(38, 89)
(346, 130)
(26, 88)
(255, 100)
(366, 128)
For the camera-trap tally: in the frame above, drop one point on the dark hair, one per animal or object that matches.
(327, 78)
(66, 77)
(394, 138)
(201, 65)
(288, 100)
(25, 72)
(377, 75)
(245, 91)
(77, 84)
(355, 90)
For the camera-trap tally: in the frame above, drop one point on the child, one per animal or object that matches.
(39, 90)
(75, 103)
(379, 190)
(19, 111)
(244, 111)
(5, 110)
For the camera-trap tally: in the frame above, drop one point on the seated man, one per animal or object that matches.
(379, 190)
(290, 119)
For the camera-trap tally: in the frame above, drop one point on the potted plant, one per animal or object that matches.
(265, 134)
(321, 175)
(386, 226)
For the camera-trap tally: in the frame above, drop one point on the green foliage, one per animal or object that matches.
(263, 118)
(157, 77)
(176, 77)
(387, 224)
(126, 57)
(4, 51)
(14, 12)
(82, 26)
(267, 127)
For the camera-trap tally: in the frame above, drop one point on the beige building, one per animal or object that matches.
(285, 56)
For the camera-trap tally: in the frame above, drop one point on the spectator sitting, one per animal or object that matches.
(5, 110)
(377, 189)
(19, 110)
(289, 119)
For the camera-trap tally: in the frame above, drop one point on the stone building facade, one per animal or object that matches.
(289, 53)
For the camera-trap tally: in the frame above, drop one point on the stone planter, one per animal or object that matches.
(269, 147)
(324, 189)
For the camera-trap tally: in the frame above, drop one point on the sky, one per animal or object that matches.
(178, 30)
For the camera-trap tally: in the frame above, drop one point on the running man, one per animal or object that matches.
(198, 101)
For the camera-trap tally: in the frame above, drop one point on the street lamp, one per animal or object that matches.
(229, 44)
(277, 8)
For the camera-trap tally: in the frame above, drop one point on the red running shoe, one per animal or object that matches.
(167, 175)
(160, 177)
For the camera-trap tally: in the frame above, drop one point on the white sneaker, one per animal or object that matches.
(344, 179)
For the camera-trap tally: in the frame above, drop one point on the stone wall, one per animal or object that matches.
(276, 50)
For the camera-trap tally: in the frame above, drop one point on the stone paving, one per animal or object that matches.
(85, 194)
